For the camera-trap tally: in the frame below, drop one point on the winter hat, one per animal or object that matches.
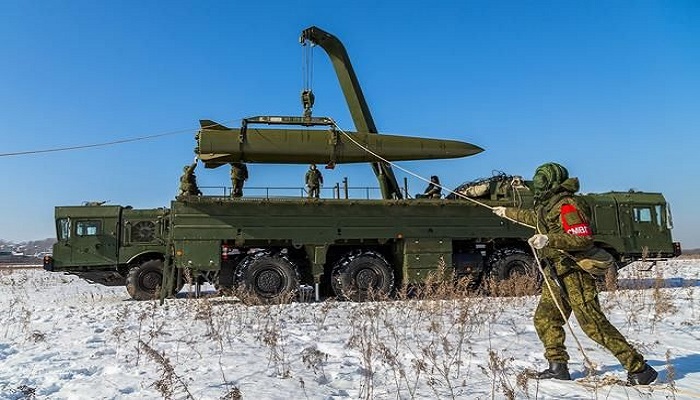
(548, 176)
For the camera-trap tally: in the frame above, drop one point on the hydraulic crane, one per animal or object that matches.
(361, 116)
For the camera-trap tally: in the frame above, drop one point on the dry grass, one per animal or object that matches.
(517, 286)
(385, 337)
(170, 382)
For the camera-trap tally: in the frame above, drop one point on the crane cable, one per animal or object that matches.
(103, 144)
(587, 361)
(307, 65)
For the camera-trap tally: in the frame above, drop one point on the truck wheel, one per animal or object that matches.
(143, 281)
(362, 276)
(268, 278)
(513, 263)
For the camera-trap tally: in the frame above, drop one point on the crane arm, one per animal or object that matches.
(361, 116)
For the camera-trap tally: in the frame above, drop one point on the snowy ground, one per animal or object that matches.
(62, 338)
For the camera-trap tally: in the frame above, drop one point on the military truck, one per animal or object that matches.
(272, 246)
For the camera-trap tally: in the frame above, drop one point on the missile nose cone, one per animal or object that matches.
(454, 148)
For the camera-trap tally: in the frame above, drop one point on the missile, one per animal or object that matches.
(218, 145)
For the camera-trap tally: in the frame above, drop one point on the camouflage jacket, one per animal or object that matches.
(239, 172)
(313, 177)
(563, 217)
(433, 191)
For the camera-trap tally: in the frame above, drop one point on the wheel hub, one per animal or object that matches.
(366, 278)
(151, 280)
(268, 281)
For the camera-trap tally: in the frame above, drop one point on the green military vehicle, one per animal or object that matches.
(272, 246)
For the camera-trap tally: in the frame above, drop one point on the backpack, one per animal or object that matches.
(596, 261)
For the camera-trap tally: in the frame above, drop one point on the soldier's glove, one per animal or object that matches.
(500, 211)
(195, 160)
(538, 241)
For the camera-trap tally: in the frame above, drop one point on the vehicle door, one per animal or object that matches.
(651, 228)
(94, 238)
(62, 249)
(646, 227)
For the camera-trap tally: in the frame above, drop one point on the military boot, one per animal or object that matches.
(643, 377)
(556, 370)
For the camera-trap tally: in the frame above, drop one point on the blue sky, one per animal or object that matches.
(609, 89)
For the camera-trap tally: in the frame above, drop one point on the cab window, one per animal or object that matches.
(648, 215)
(87, 228)
(659, 215)
(63, 228)
(668, 216)
(642, 215)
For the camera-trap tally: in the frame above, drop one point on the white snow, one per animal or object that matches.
(63, 338)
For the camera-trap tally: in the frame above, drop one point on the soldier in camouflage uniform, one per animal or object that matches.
(239, 174)
(562, 231)
(188, 181)
(434, 190)
(313, 180)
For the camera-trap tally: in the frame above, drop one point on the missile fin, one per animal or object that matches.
(209, 124)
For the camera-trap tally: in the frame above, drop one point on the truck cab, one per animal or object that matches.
(102, 242)
(87, 236)
(637, 225)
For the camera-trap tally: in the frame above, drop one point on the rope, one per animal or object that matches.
(102, 144)
(477, 202)
(587, 361)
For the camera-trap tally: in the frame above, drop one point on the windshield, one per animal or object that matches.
(63, 228)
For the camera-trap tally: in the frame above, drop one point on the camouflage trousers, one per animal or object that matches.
(237, 187)
(314, 191)
(582, 299)
(189, 189)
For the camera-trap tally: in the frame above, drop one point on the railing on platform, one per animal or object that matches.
(333, 192)
(339, 191)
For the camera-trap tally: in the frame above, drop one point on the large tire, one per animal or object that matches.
(513, 273)
(511, 263)
(267, 278)
(144, 280)
(361, 276)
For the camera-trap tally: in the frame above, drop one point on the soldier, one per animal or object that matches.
(188, 181)
(239, 174)
(433, 191)
(314, 180)
(562, 231)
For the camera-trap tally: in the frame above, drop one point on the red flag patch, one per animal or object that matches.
(572, 221)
